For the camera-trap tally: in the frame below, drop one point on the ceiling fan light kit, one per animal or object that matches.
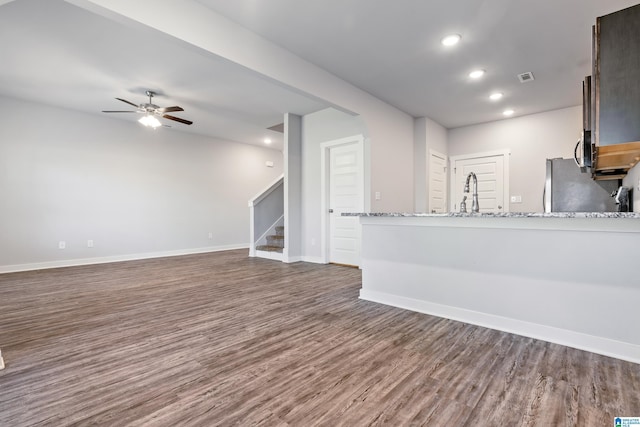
(150, 111)
(150, 121)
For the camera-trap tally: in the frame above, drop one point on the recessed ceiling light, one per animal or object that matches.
(496, 96)
(451, 40)
(508, 112)
(476, 74)
(267, 141)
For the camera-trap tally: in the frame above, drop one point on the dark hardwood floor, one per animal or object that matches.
(223, 339)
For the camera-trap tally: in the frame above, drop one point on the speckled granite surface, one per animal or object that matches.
(505, 215)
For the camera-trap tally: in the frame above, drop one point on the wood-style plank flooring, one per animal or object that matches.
(223, 339)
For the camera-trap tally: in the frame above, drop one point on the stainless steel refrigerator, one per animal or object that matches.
(569, 190)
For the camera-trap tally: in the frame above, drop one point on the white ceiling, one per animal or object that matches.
(392, 49)
(56, 53)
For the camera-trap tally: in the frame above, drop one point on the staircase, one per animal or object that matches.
(266, 220)
(275, 242)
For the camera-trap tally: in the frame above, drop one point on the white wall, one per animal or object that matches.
(532, 139)
(323, 126)
(132, 190)
(632, 180)
(390, 130)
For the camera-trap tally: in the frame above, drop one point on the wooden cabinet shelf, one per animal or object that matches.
(614, 161)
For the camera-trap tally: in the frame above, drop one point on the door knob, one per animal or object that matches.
(330, 210)
(499, 207)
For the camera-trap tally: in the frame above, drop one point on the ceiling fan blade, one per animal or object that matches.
(170, 109)
(177, 119)
(128, 102)
(118, 111)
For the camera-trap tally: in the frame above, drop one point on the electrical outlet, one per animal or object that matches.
(210, 235)
(377, 195)
(62, 244)
(89, 243)
(516, 199)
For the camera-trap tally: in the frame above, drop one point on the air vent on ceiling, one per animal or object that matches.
(277, 128)
(526, 77)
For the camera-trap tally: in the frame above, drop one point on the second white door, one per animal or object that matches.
(346, 194)
(490, 172)
(437, 182)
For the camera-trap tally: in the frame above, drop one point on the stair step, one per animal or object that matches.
(268, 248)
(275, 241)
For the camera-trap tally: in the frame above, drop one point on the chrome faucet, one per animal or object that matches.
(475, 207)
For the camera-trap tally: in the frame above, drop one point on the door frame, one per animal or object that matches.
(434, 153)
(505, 153)
(325, 147)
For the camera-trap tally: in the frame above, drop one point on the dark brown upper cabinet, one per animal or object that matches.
(616, 92)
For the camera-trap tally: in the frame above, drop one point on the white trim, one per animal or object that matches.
(116, 258)
(268, 190)
(276, 256)
(367, 173)
(313, 259)
(594, 344)
(290, 260)
(324, 185)
(506, 155)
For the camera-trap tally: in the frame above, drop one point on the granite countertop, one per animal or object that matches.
(504, 215)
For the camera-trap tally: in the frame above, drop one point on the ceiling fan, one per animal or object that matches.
(150, 110)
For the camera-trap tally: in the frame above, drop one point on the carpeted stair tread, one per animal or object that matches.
(268, 248)
(275, 242)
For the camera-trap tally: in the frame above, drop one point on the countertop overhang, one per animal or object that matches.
(635, 215)
(621, 222)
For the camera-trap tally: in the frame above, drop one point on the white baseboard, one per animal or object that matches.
(607, 347)
(280, 257)
(276, 256)
(116, 258)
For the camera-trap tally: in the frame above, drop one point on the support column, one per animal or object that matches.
(292, 188)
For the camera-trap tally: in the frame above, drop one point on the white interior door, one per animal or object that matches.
(492, 185)
(437, 182)
(346, 194)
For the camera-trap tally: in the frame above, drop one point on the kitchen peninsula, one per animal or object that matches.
(568, 278)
